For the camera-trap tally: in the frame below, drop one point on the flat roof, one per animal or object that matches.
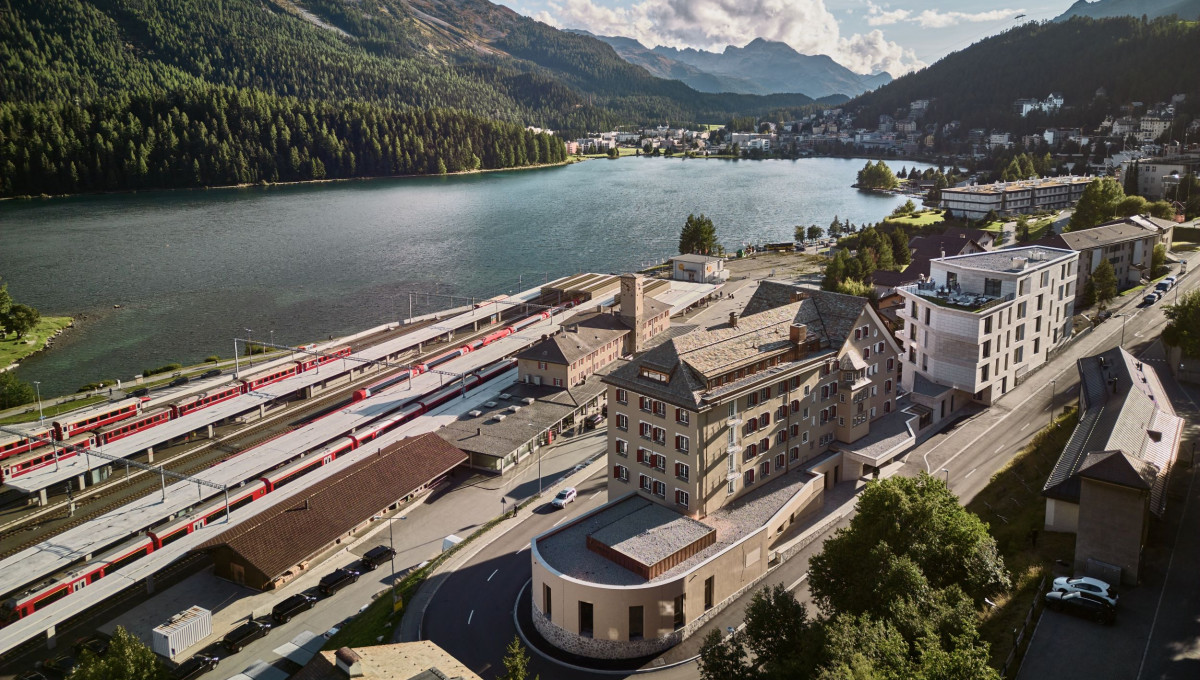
(889, 436)
(650, 533)
(696, 259)
(1002, 260)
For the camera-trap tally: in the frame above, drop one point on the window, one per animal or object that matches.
(779, 464)
(751, 425)
(558, 382)
(636, 623)
(748, 477)
(682, 471)
(764, 420)
(644, 403)
(678, 612)
(764, 445)
(541, 365)
(991, 287)
(621, 472)
(866, 352)
(585, 619)
(765, 393)
(622, 421)
(751, 451)
(682, 416)
(1037, 325)
(681, 443)
(644, 482)
(752, 399)
(804, 437)
(795, 405)
(1045, 279)
(913, 309)
(546, 609)
(912, 355)
(824, 392)
(660, 409)
(987, 348)
(622, 397)
(794, 454)
(858, 334)
(681, 497)
(764, 469)
(1037, 342)
(651, 374)
(709, 597)
(984, 374)
(660, 489)
(660, 435)
(1018, 355)
(926, 316)
(824, 416)
(1039, 303)
(1021, 310)
(622, 448)
(1023, 286)
(879, 348)
(891, 364)
(795, 430)
(781, 437)
(645, 429)
(987, 325)
(887, 386)
(924, 362)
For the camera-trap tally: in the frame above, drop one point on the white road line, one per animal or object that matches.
(523, 549)
(1024, 426)
(493, 574)
(561, 521)
(596, 494)
(970, 473)
(999, 448)
(470, 616)
(798, 581)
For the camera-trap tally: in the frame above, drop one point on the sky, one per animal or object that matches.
(863, 35)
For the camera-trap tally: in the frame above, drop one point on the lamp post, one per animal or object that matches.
(1053, 391)
(249, 347)
(947, 472)
(37, 384)
(392, 545)
(1123, 318)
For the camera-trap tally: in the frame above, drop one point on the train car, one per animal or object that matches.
(379, 427)
(238, 498)
(296, 469)
(177, 528)
(310, 361)
(377, 387)
(16, 444)
(16, 466)
(263, 378)
(204, 399)
(57, 587)
(148, 419)
(69, 426)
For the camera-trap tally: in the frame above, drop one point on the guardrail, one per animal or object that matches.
(1019, 634)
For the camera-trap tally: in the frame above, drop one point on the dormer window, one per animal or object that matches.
(657, 376)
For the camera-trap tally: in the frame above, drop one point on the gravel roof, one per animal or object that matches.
(652, 534)
(887, 435)
(1002, 260)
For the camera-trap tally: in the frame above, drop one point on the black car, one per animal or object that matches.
(1081, 604)
(284, 611)
(211, 373)
(377, 556)
(181, 380)
(96, 644)
(195, 667)
(140, 392)
(61, 665)
(593, 421)
(339, 579)
(246, 633)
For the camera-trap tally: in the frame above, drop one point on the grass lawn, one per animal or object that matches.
(52, 410)
(996, 226)
(922, 218)
(1012, 506)
(1184, 246)
(13, 350)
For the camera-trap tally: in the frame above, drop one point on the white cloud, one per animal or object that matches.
(806, 25)
(878, 16)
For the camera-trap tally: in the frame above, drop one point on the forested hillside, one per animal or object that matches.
(121, 94)
(1131, 59)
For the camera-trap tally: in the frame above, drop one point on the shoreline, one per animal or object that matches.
(45, 344)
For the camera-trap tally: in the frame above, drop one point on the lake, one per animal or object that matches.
(192, 269)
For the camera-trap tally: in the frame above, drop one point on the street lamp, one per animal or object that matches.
(41, 418)
(947, 471)
(1053, 391)
(1123, 318)
(392, 545)
(249, 347)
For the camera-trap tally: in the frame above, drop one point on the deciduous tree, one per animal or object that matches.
(15, 392)
(1105, 281)
(815, 232)
(1183, 326)
(1098, 204)
(127, 658)
(21, 319)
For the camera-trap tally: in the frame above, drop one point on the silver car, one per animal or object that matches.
(1088, 586)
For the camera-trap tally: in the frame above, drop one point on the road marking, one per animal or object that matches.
(999, 449)
(798, 581)
(493, 574)
(1024, 426)
(970, 473)
(470, 616)
(596, 494)
(561, 521)
(523, 549)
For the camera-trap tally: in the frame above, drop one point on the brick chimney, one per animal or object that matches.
(349, 662)
(733, 319)
(799, 295)
(799, 334)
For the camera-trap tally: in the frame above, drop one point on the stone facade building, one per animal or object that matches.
(719, 441)
(982, 321)
(1128, 245)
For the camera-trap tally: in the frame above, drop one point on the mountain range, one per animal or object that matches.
(761, 67)
(1151, 9)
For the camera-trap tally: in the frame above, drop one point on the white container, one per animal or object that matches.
(183, 630)
(450, 541)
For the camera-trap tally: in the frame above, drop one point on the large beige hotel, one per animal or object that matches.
(719, 441)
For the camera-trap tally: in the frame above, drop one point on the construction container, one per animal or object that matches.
(182, 631)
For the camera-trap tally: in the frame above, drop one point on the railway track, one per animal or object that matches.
(110, 495)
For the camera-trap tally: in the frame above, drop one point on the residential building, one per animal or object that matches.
(586, 344)
(1007, 198)
(923, 249)
(719, 440)
(1128, 244)
(421, 660)
(699, 269)
(1113, 474)
(980, 322)
(1153, 171)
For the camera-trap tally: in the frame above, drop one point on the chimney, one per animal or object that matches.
(733, 319)
(307, 504)
(349, 662)
(943, 252)
(799, 295)
(799, 334)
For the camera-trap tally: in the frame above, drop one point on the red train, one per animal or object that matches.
(489, 339)
(15, 444)
(58, 587)
(273, 375)
(111, 433)
(96, 418)
(35, 460)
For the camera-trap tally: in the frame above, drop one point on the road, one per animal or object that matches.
(471, 615)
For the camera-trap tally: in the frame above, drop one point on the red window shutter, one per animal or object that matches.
(616, 471)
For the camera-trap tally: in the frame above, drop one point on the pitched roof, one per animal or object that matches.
(929, 247)
(286, 534)
(979, 235)
(1119, 468)
(1116, 231)
(579, 338)
(1132, 415)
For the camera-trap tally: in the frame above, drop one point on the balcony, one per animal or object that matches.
(734, 420)
(955, 299)
(733, 449)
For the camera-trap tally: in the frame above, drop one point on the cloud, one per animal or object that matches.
(806, 25)
(878, 16)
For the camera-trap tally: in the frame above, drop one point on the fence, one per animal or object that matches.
(1019, 634)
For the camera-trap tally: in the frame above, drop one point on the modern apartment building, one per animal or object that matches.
(981, 321)
(1155, 174)
(719, 440)
(1007, 198)
(1127, 244)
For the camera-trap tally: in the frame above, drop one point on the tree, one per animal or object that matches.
(21, 319)
(1130, 205)
(815, 232)
(515, 661)
(835, 270)
(699, 236)
(15, 392)
(835, 227)
(991, 216)
(1022, 228)
(5, 300)
(907, 208)
(900, 250)
(1161, 209)
(128, 658)
(1105, 281)
(1098, 203)
(856, 288)
(1183, 325)
(876, 176)
(1158, 260)
(1131, 179)
(1089, 294)
(724, 659)
(905, 518)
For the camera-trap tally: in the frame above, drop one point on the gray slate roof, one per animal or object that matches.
(1117, 231)
(1135, 418)
(1116, 467)
(580, 337)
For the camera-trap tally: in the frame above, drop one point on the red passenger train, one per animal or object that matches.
(15, 444)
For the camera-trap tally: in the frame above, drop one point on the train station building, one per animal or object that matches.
(282, 542)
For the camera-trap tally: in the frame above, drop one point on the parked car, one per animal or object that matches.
(593, 421)
(61, 665)
(245, 634)
(285, 610)
(377, 556)
(1150, 298)
(96, 644)
(212, 373)
(1163, 286)
(1086, 584)
(181, 380)
(339, 579)
(140, 392)
(1172, 280)
(565, 496)
(1081, 604)
(195, 667)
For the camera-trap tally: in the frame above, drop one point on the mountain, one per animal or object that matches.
(132, 94)
(1151, 9)
(761, 67)
(1131, 59)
